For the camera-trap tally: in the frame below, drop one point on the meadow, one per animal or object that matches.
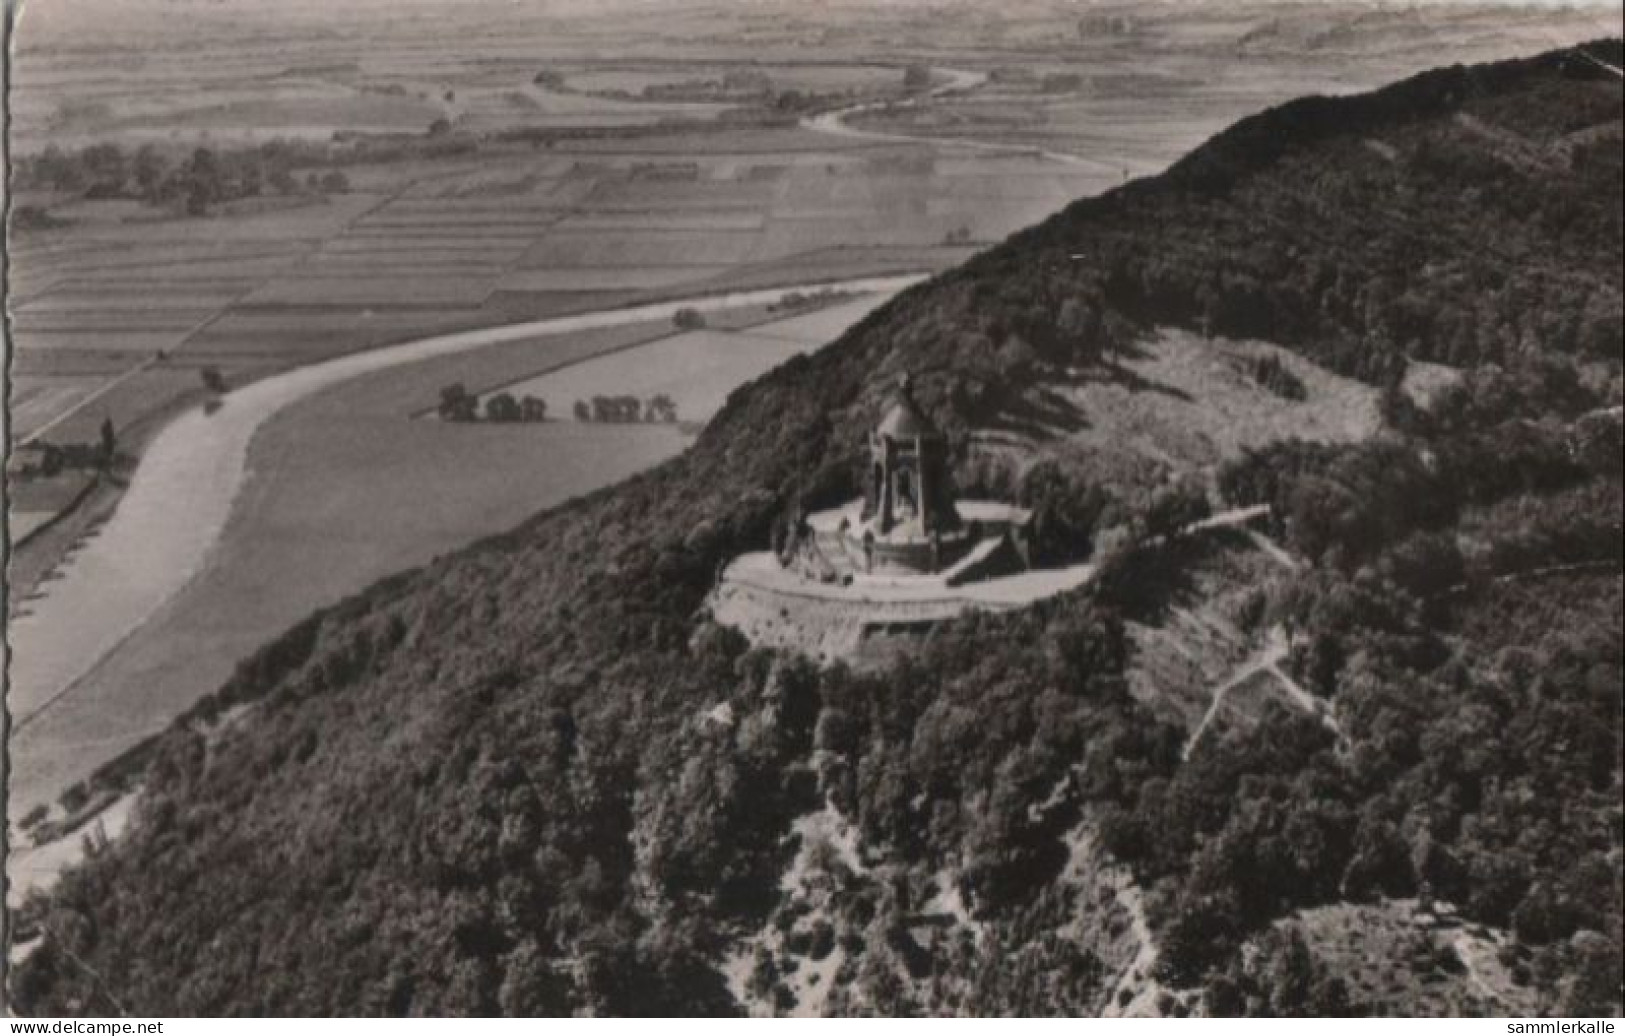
(696, 369)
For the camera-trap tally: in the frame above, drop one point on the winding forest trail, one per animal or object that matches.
(1267, 660)
(1277, 644)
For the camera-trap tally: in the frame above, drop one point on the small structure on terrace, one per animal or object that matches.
(902, 558)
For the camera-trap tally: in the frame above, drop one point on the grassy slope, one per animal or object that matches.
(488, 785)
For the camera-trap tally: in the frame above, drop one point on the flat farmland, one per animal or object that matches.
(664, 222)
(449, 245)
(266, 112)
(371, 287)
(642, 206)
(529, 105)
(36, 399)
(287, 335)
(136, 399)
(634, 79)
(1135, 103)
(626, 277)
(697, 369)
(459, 244)
(598, 248)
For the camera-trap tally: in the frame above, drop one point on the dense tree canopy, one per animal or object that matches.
(534, 777)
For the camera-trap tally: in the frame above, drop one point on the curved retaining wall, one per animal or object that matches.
(827, 627)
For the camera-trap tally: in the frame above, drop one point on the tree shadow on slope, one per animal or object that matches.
(1113, 369)
(1038, 413)
(1148, 583)
(1045, 406)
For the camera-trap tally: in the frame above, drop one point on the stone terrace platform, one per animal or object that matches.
(892, 565)
(776, 607)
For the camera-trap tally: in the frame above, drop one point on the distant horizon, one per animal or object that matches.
(579, 7)
(59, 15)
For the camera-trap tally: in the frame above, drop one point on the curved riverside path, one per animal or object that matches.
(182, 495)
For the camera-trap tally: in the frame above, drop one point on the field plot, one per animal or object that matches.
(606, 278)
(186, 302)
(111, 323)
(658, 222)
(510, 365)
(598, 202)
(529, 105)
(697, 369)
(35, 399)
(114, 300)
(93, 262)
(137, 398)
(292, 334)
(323, 288)
(252, 116)
(69, 98)
(582, 249)
(806, 77)
(680, 191)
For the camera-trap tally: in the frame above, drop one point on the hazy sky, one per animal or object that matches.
(112, 19)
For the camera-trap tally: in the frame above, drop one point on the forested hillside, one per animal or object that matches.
(506, 782)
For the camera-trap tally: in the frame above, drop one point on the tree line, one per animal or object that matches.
(194, 182)
(659, 408)
(458, 404)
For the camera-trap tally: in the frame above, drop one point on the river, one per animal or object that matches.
(171, 518)
(959, 81)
